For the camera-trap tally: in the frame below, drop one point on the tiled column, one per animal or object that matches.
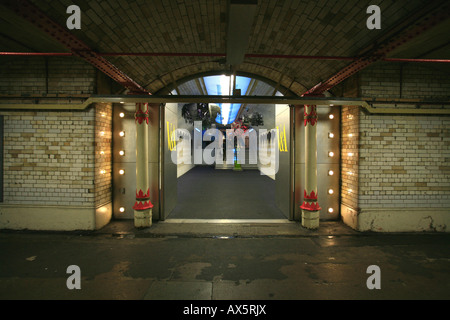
(143, 206)
(310, 207)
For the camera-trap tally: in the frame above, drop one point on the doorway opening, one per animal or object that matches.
(226, 191)
(247, 181)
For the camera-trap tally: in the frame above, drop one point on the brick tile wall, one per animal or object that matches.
(58, 158)
(23, 76)
(103, 158)
(349, 156)
(403, 161)
(37, 75)
(411, 81)
(49, 157)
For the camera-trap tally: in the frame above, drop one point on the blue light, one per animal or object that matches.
(214, 85)
(242, 83)
(220, 86)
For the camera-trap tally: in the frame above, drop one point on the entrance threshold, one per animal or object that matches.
(229, 221)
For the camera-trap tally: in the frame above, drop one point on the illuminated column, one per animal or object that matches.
(310, 207)
(143, 206)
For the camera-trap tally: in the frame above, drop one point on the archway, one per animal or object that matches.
(288, 139)
(225, 189)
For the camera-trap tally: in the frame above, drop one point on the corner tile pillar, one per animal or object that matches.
(310, 207)
(143, 206)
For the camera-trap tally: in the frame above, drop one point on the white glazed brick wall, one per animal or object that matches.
(49, 157)
(404, 161)
(349, 156)
(103, 157)
(400, 161)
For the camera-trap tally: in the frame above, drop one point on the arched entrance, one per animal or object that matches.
(288, 181)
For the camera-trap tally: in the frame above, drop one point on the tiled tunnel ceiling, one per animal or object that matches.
(281, 27)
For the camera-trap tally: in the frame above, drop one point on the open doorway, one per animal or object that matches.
(202, 190)
(249, 186)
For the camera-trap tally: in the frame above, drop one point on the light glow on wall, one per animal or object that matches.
(121, 171)
(122, 133)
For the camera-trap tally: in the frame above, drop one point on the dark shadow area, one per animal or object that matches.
(207, 193)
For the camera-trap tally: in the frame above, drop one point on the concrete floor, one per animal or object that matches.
(239, 261)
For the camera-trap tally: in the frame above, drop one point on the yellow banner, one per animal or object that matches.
(282, 141)
(171, 143)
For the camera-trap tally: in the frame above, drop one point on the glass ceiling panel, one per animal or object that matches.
(222, 85)
(242, 83)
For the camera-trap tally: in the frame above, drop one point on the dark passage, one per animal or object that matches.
(207, 193)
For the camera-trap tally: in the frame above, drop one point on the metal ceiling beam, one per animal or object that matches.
(189, 54)
(413, 26)
(241, 15)
(31, 13)
(366, 104)
(192, 99)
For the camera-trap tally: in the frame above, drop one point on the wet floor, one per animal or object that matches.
(189, 266)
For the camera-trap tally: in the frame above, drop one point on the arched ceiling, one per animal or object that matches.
(281, 27)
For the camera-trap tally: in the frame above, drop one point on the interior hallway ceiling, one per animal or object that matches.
(201, 28)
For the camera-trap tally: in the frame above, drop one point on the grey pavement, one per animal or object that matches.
(214, 261)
